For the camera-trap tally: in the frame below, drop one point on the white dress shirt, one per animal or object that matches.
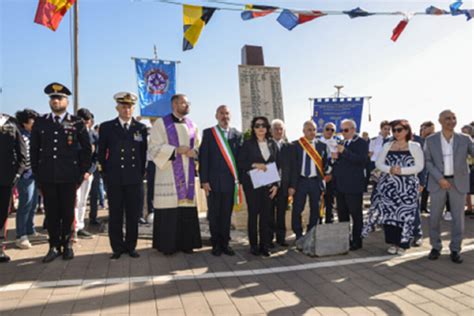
(264, 149)
(313, 172)
(448, 155)
(122, 122)
(61, 116)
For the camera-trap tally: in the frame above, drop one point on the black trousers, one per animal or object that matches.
(5, 198)
(277, 220)
(219, 215)
(350, 205)
(94, 195)
(259, 210)
(124, 198)
(424, 199)
(393, 235)
(305, 187)
(329, 201)
(150, 185)
(59, 203)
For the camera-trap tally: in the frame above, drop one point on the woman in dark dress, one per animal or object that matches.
(395, 201)
(256, 153)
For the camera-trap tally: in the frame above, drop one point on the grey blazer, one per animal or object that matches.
(462, 147)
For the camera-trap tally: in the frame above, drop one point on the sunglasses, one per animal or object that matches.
(345, 130)
(260, 125)
(329, 129)
(397, 130)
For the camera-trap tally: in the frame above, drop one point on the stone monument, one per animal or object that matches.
(260, 87)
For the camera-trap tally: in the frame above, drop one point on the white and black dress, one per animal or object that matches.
(395, 202)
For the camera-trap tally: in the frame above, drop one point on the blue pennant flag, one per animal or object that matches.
(156, 82)
(288, 19)
(335, 110)
(357, 12)
(455, 8)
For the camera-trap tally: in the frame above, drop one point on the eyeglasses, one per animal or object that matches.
(260, 125)
(397, 130)
(345, 130)
(329, 129)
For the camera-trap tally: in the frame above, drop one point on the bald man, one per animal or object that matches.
(219, 177)
(446, 155)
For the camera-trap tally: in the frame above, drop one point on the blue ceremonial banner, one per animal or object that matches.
(156, 81)
(335, 110)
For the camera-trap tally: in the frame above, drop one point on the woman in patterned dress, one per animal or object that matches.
(395, 201)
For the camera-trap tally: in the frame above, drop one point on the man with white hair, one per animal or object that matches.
(278, 227)
(349, 178)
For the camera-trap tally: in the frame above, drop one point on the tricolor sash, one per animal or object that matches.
(318, 161)
(229, 158)
(185, 191)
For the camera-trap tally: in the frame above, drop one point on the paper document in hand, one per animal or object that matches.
(261, 178)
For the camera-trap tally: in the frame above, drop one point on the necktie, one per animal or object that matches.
(56, 119)
(125, 126)
(307, 166)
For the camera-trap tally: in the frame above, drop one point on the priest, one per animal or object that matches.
(174, 143)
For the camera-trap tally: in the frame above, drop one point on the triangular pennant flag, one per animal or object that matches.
(194, 20)
(290, 19)
(256, 11)
(399, 29)
(50, 12)
(454, 8)
(357, 12)
(431, 10)
(469, 14)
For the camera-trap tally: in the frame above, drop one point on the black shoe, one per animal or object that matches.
(216, 251)
(52, 254)
(188, 251)
(84, 234)
(355, 247)
(265, 252)
(456, 257)
(329, 221)
(434, 254)
(115, 255)
(68, 253)
(94, 222)
(254, 251)
(134, 254)
(142, 221)
(4, 258)
(283, 243)
(271, 245)
(228, 251)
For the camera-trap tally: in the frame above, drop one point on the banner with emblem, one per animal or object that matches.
(156, 80)
(335, 110)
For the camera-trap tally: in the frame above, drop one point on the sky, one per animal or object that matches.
(429, 68)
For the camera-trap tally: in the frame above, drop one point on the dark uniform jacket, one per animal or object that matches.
(297, 156)
(213, 168)
(122, 154)
(349, 176)
(60, 153)
(12, 152)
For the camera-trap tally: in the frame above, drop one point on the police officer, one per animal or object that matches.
(122, 155)
(12, 164)
(60, 152)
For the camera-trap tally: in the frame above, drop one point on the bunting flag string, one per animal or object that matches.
(196, 17)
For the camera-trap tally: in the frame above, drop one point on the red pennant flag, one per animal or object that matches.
(51, 12)
(399, 29)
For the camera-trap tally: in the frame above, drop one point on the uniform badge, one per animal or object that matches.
(69, 139)
(137, 137)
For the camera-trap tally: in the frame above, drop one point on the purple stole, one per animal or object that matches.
(185, 192)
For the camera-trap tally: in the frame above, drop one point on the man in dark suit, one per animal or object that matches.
(349, 179)
(310, 157)
(278, 224)
(60, 153)
(122, 155)
(219, 177)
(12, 164)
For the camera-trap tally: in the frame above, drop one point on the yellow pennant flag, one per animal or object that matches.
(194, 20)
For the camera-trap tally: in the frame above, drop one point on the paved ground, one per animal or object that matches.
(365, 282)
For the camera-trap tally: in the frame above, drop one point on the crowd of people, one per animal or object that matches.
(65, 159)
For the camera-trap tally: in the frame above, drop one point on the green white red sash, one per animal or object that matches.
(229, 158)
(318, 161)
